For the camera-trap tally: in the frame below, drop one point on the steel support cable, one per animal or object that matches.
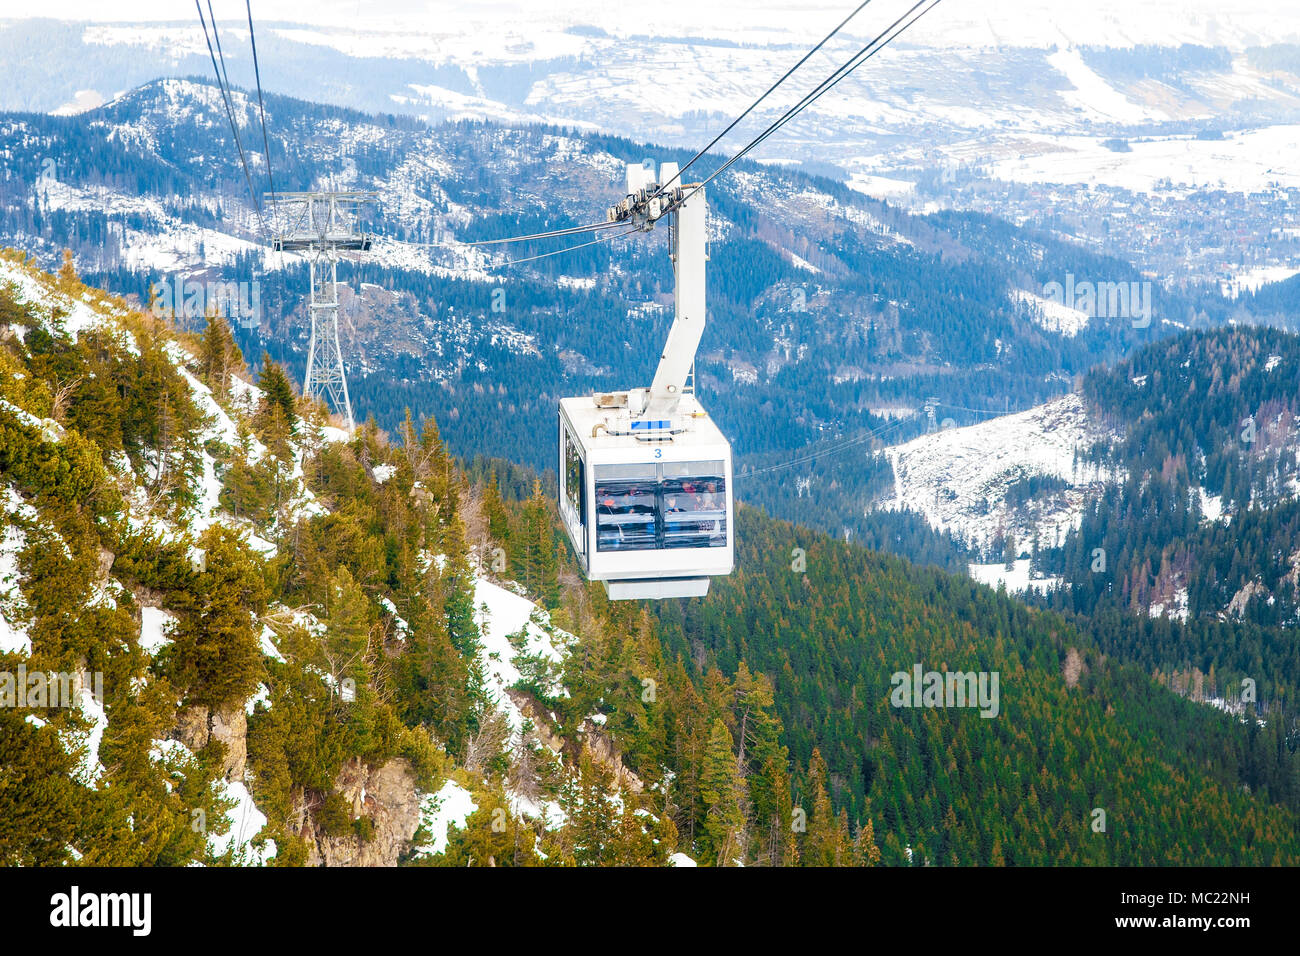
(978, 411)
(216, 38)
(553, 234)
(835, 80)
(570, 231)
(261, 106)
(556, 252)
(862, 56)
(771, 89)
(230, 99)
(833, 450)
(604, 225)
(230, 115)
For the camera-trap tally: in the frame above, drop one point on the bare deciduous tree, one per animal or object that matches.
(486, 742)
(1073, 667)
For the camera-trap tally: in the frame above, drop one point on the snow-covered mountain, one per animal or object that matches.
(1027, 90)
(963, 479)
(810, 280)
(1112, 124)
(409, 23)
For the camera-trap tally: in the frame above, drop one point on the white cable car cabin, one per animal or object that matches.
(645, 487)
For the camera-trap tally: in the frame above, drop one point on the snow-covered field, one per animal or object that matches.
(1255, 279)
(1017, 580)
(1248, 161)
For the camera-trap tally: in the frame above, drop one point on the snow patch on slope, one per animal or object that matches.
(244, 822)
(155, 625)
(501, 613)
(1093, 96)
(1017, 580)
(450, 806)
(13, 635)
(1053, 316)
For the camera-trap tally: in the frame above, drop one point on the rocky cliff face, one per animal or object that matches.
(594, 741)
(199, 726)
(386, 795)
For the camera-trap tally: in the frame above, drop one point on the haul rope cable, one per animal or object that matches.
(230, 113)
(887, 36)
(788, 73)
(261, 106)
(852, 64)
(882, 40)
(862, 56)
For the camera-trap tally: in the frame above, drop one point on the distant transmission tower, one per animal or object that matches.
(931, 404)
(320, 226)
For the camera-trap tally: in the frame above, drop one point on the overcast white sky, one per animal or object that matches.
(1234, 23)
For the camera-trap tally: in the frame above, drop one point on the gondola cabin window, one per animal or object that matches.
(693, 504)
(575, 486)
(659, 506)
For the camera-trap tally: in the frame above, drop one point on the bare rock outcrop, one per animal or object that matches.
(593, 739)
(198, 726)
(384, 795)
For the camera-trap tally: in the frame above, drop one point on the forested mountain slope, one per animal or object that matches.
(286, 651)
(1157, 505)
(1203, 523)
(828, 309)
(1077, 731)
(311, 653)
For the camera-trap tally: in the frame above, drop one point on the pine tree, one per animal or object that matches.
(68, 272)
(458, 590)
(216, 656)
(826, 840)
(349, 620)
(587, 801)
(865, 851)
(722, 789)
(492, 836)
(219, 356)
(494, 510)
(534, 557)
(277, 395)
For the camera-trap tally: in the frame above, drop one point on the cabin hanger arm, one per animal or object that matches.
(645, 204)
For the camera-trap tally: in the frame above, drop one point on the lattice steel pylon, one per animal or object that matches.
(321, 226)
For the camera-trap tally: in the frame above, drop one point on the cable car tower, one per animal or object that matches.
(321, 226)
(645, 474)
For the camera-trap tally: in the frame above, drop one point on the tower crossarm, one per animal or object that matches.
(313, 222)
(321, 225)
